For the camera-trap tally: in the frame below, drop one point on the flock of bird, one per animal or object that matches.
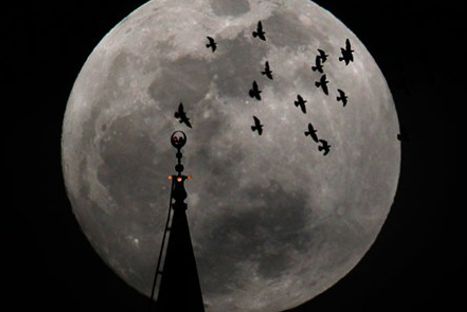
(300, 102)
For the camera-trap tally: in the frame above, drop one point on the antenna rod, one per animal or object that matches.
(153, 289)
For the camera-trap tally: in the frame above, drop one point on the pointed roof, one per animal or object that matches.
(179, 288)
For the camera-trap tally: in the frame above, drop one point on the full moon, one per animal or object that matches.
(274, 222)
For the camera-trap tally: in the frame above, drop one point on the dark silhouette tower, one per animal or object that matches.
(179, 288)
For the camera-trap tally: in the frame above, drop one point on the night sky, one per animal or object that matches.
(415, 263)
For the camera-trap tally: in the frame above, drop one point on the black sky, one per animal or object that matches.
(416, 261)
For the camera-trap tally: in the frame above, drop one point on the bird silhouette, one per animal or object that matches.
(323, 84)
(255, 92)
(267, 71)
(325, 147)
(181, 116)
(342, 97)
(347, 53)
(257, 126)
(259, 32)
(212, 44)
(323, 56)
(318, 66)
(311, 132)
(300, 102)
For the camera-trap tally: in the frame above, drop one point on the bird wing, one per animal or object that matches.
(318, 60)
(180, 108)
(301, 102)
(314, 136)
(260, 27)
(324, 84)
(187, 122)
(255, 86)
(347, 45)
(312, 131)
(257, 122)
(322, 53)
(343, 54)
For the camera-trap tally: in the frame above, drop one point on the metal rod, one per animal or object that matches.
(153, 289)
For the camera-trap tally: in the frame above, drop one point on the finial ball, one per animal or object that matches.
(178, 139)
(179, 167)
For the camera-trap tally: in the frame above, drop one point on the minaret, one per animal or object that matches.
(179, 288)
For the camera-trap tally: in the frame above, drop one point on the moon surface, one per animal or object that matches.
(273, 222)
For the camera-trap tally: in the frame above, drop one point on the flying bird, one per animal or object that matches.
(318, 66)
(323, 83)
(312, 132)
(257, 126)
(267, 71)
(342, 97)
(255, 92)
(212, 44)
(259, 32)
(323, 56)
(347, 53)
(181, 116)
(300, 102)
(324, 147)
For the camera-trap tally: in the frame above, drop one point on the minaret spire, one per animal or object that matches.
(179, 288)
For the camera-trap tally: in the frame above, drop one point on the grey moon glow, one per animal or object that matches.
(273, 222)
